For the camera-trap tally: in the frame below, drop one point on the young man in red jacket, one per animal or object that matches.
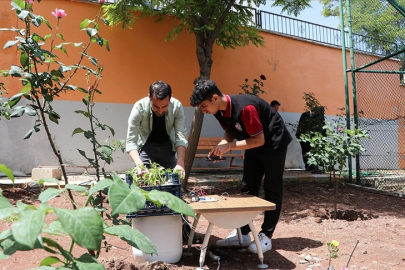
(250, 124)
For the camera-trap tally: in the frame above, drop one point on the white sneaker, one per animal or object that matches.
(265, 243)
(233, 240)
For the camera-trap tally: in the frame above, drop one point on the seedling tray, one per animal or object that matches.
(151, 209)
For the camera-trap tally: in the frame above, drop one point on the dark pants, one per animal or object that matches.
(258, 162)
(161, 153)
(305, 148)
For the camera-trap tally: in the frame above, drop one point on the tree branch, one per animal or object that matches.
(221, 20)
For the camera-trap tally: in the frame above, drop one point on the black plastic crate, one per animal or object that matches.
(151, 209)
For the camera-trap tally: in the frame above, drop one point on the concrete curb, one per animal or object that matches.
(205, 180)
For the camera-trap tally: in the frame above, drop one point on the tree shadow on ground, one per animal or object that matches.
(294, 243)
(316, 200)
(233, 258)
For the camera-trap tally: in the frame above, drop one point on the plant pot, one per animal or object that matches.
(151, 209)
(165, 232)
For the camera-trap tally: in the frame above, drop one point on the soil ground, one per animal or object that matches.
(300, 241)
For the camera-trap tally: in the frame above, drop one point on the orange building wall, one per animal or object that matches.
(291, 66)
(8, 56)
(140, 56)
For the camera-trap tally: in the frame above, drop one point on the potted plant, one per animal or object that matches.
(156, 220)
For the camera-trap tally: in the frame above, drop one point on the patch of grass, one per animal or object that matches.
(11, 218)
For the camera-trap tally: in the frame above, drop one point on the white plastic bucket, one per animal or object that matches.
(165, 232)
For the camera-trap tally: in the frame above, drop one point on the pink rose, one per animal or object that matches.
(340, 129)
(59, 13)
(89, 88)
(102, 1)
(31, 1)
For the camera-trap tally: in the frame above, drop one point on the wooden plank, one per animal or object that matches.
(233, 203)
(217, 168)
(209, 140)
(206, 147)
(206, 144)
(224, 155)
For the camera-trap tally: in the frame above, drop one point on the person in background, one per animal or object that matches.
(275, 104)
(157, 130)
(310, 122)
(250, 124)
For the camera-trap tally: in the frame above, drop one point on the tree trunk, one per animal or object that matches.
(193, 138)
(204, 54)
(336, 195)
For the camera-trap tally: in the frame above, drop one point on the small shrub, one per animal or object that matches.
(256, 88)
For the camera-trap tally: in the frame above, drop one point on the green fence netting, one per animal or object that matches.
(379, 91)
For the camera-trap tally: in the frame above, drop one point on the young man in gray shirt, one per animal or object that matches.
(157, 130)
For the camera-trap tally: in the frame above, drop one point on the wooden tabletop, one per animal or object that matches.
(232, 203)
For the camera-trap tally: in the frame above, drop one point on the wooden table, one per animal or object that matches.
(229, 212)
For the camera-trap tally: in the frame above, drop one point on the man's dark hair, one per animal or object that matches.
(320, 110)
(204, 90)
(274, 102)
(160, 89)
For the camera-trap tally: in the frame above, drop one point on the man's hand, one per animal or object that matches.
(219, 150)
(180, 170)
(141, 170)
(181, 154)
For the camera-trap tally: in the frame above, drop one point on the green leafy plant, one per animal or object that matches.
(7, 171)
(42, 82)
(333, 248)
(116, 144)
(4, 106)
(311, 103)
(156, 175)
(100, 152)
(256, 88)
(11, 218)
(334, 149)
(43, 76)
(84, 225)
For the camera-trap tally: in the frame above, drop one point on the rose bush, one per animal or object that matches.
(256, 88)
(44, 77)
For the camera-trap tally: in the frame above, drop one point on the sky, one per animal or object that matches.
(312, 14)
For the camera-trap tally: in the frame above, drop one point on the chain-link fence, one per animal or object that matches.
(380, 93)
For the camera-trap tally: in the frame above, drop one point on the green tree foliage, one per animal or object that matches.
(377, 20)
(228, 23)
(292, 6)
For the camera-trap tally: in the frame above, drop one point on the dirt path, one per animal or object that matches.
(377, 221)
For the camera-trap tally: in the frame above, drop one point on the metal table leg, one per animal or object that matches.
(205, 246)
(258, 246)
(240, 238)
(191, 236)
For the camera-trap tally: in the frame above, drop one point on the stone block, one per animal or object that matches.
(46, 172)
